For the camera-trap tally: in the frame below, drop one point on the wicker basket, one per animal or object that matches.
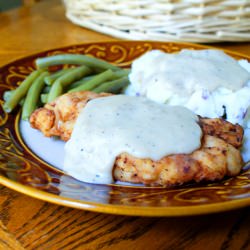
(164, 20)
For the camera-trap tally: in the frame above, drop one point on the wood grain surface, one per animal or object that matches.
(27, 223)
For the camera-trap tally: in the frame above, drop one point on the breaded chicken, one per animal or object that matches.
(233, 134)
(213, 161)
(58, 117)
(218, 156)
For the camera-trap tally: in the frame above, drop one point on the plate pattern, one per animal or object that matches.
(19, 164)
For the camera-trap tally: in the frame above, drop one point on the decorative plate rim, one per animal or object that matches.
(123, 209)
(125, 41)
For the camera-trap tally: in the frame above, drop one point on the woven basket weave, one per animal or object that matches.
(164, 20)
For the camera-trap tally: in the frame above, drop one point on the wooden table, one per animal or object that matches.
(27, 223)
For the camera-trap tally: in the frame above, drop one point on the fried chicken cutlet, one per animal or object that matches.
(58, 117)
(218, 156)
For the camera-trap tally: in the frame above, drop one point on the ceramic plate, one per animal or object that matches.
(30, 173)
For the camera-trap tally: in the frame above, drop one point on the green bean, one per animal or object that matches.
(116, 74)
(7, 95)
(49, 80)
(20, 92)
(46, 89)
(89, 61)
(44, 98)
(94, 82)
(120, 73)
(112, 86)
(66, 79)
(32, 97)
(22, 102)
(55, 92)
(80, 82)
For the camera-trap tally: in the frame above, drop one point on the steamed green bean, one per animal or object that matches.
(32, 98)
(112, 86)
(94, 82)
(7, 95)
(42, 87)
(22, 102)
(20, 91)
(49, 80)
(89, 61)
(80, 82)
(44, 98)
(121, 73)
(117, 74)
(66, 79)
(46, 89)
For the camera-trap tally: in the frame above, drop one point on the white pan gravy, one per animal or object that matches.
(109, 126)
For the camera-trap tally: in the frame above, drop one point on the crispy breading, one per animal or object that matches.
(213, 161)
(58, 117)
(233, 134)
(218, 156)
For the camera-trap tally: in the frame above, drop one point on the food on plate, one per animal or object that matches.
(58, 117)
(227, 131)
(108, 81)
(214, 160)
(209, 82)
(76, 59)
(13, 97)
(130, 137)
(43, 85)
(32, 98)
(63, 81)
(111, 124)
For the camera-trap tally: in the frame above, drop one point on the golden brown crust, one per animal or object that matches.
(58, 117)
(227, 131)
(217, 157)
(213, 161)
(44, 120)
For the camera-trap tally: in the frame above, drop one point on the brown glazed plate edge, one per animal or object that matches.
(120, 53)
